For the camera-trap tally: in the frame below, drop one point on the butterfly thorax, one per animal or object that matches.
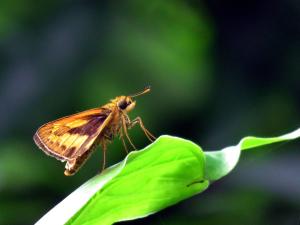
(113, 129)
(119, 107)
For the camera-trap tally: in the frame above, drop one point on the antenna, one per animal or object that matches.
(146, 90)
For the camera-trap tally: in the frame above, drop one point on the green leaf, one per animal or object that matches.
(165, 172)
(220, 163)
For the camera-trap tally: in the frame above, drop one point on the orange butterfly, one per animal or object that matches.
(73, 138)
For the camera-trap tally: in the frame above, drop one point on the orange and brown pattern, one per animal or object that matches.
(66, 137)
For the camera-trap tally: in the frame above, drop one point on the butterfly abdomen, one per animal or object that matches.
(73, 165)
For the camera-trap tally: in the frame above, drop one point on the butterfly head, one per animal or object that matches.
(126, 103)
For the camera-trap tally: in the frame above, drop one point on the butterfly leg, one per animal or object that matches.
(124, 126)
(123, 141)
(139, 121)
(103, 146)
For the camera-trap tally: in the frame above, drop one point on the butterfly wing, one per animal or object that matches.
(71, 136)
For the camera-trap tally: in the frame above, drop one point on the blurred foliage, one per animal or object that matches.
(219, 71)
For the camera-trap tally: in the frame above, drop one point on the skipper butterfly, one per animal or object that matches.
(73, 138)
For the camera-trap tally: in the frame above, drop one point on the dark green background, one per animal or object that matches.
(219, 70)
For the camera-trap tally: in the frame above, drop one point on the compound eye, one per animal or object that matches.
(122, 104)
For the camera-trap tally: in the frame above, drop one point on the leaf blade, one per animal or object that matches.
(164, 173)
(220, 163)
(170, 163)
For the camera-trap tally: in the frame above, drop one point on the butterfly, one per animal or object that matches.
(73, 138)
